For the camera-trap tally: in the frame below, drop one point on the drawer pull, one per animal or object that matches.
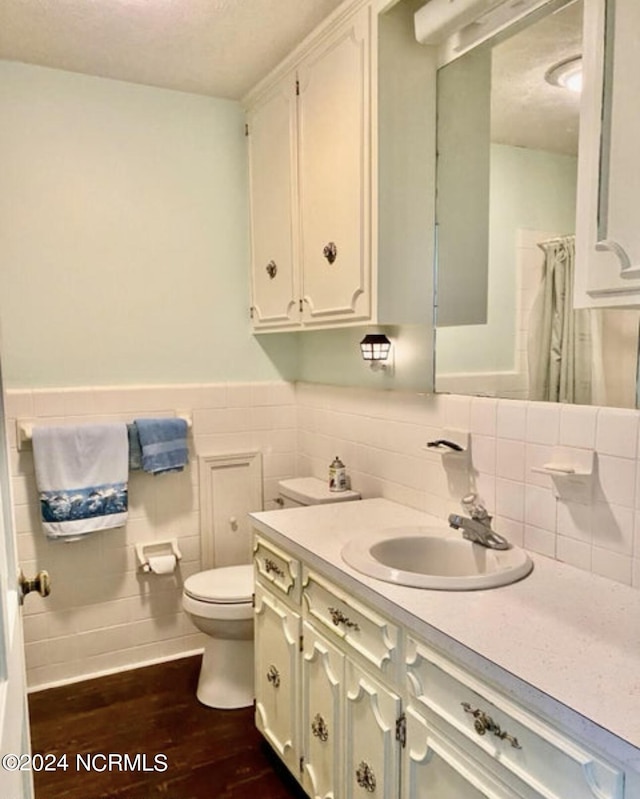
(338, 617)
(484, 723)
(319, 728)
(273, 676)
(271, 566)
(365, 777)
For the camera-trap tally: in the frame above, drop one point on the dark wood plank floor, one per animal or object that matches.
(210, 754)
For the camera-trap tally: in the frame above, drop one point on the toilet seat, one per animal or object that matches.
(224, 594)
(229, 585)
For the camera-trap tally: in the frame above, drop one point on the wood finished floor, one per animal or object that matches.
(211, 754)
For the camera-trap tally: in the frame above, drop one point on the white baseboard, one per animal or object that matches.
(106, 672)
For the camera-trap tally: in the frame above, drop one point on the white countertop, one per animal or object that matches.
(566, 642)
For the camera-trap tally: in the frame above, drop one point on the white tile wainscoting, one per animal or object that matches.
(380, 436)
(103, 615)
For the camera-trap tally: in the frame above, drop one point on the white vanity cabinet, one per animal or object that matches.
(309, 136)
(356, 703)
(491, 734)
(608, 222)
(434, 766)
(350, 668)
(277, 640)
(326, 681)
(322, 716)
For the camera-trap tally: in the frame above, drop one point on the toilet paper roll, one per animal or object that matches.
(162, 564)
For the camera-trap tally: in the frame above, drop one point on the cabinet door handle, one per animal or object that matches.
(338, 617)
(271, 566)
(319, 728)
(272, 269)
(365, 777)
(273, 676)
(330, 252)
(483, 723)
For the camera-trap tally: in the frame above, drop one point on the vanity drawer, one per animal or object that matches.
(493, 728)
(361, 630)
(276, 568)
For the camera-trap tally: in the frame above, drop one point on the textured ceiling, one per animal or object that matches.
(214, 47)
(525, 110)
(222, 48)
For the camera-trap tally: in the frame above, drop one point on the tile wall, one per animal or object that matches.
(104, 615)
(594, 525)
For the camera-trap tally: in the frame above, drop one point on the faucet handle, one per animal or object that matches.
(474, 507)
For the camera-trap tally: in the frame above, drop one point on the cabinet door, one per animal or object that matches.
(277, 641)
(434, 767)
(371, 748)
(334, 135)
(607, 231)
(271, 126)
(322, 741)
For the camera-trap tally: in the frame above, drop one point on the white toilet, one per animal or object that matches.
(219, 604)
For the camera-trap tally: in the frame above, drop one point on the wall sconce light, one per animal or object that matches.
(375, 348)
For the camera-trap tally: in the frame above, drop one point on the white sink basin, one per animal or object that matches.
(433, 557)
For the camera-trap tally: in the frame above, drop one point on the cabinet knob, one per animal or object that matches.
(272, 269)
(319, 728)
(483, 724)
(330, 252)
(273, 676)
(365, 777)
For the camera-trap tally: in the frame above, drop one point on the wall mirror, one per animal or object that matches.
(506, 206)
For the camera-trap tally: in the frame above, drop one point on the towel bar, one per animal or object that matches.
(24, 429)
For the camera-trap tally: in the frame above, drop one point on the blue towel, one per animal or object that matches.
(164, 444)
(135, 451)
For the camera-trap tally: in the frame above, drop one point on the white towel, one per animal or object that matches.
(81, 474)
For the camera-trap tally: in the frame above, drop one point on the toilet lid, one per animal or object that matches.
(224, 585)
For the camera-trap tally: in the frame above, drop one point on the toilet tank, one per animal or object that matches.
(299, 491)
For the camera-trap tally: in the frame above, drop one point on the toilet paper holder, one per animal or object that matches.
(156, 549)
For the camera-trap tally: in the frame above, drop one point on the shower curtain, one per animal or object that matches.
(564, 348)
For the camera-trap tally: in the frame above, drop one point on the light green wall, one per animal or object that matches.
(333, 357)
(124, 245)
(530, 189)
(124, 236)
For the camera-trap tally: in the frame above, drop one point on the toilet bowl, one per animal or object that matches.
(219, 603)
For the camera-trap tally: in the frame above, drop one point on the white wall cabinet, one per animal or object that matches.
(272, 138)
(342, 176)
(607, 232)
(310, 183)
(356, 704)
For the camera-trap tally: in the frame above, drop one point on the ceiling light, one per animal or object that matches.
(567, 74)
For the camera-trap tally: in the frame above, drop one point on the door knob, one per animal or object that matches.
(40, 583)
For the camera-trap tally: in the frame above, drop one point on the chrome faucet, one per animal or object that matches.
(477, 526)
